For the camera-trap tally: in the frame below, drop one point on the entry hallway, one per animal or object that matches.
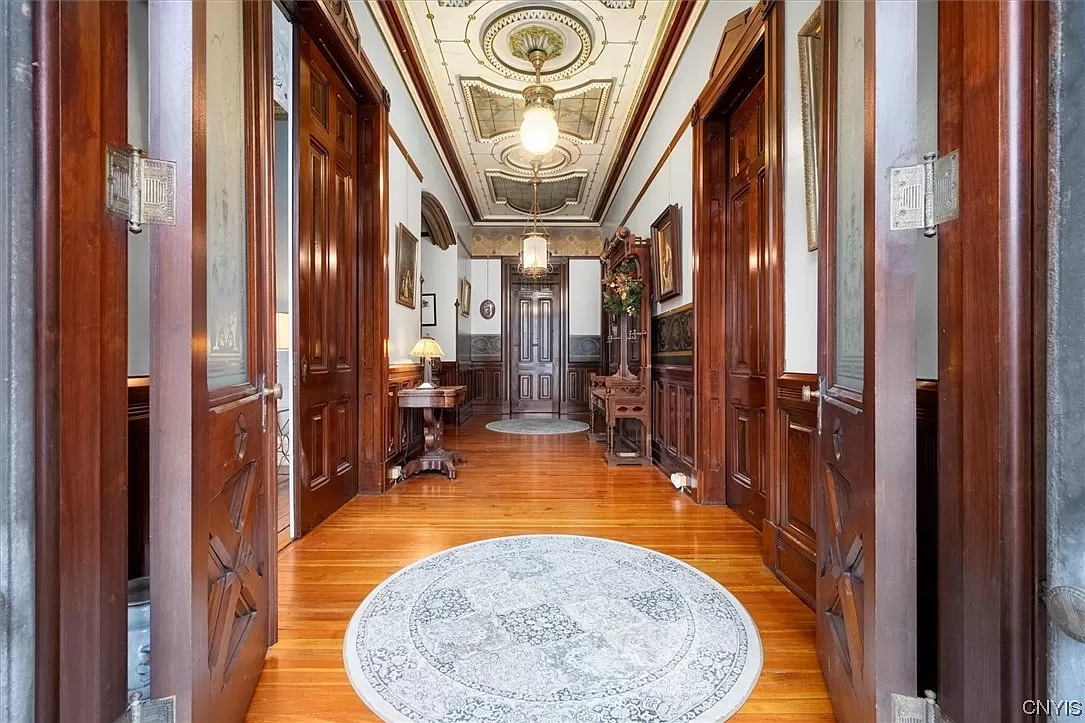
(514, 485)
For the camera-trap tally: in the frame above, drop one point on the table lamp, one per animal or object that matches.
(427, 349)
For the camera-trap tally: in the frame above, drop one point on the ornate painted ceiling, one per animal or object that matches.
(464, 58)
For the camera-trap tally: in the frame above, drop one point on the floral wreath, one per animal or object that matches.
(623, 289)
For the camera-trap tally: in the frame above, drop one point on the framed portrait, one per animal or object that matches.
(406, 267)
(667, 255)
(465, 297)
(429, 309)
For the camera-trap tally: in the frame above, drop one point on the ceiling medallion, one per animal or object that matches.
(535, 38)
(566, 39)
(518, 158)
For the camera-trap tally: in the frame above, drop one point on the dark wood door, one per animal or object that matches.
(534, 345)
(212, 359)
(747, 324)
(865, 494)
(327, 291)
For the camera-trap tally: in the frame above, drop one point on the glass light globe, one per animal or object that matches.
(539, 131)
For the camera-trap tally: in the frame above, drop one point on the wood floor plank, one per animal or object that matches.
(513, 485)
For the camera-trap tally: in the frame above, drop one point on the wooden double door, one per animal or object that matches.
(536, 348)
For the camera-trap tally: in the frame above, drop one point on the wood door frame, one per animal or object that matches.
(561, 362)
(763, 33)
(332, 27)
(992, 360)
(81, 385)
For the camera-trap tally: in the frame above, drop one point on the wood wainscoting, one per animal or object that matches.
(789, 542)
(453, 374)
(577, 386)
(672, 418)
(405, 437)
(790, 539)
(486, 391)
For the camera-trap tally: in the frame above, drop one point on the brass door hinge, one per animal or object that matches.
(139, 189)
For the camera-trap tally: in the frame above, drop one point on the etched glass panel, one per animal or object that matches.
(849, 197)
(227, 237)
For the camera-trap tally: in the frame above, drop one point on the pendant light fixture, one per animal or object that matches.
(539, 129)
(535, 252)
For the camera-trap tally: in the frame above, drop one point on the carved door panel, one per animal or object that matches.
(327, 290)
(747, 327)
(865, 490)
(534, 348)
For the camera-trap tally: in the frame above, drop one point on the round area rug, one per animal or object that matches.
(551, 628)
(536, 426)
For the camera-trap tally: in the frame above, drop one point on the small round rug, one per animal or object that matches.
(536, 426)
(551, 628)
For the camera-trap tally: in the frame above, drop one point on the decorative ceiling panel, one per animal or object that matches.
(607, 60)
(496, 112)
(554, 193)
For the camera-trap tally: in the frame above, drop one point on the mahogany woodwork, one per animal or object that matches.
(757, 54)
(672, 418)
(213, 581)
(81, 394)
(790, 532)
(486, 387)
(746, 284)
(47, 239)
(790, 539)
(515, 485)
(433, 403)
(577, 387)
(327, 409)
(992, 103)
(404, 425)
(535, 347)
(622, 401)
(865, 487)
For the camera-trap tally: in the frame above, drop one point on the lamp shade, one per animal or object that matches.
(282, 330)
(539, 130)
(427, 348)
(534, 255)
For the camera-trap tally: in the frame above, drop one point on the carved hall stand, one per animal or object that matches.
(435, 458)
(626, 394)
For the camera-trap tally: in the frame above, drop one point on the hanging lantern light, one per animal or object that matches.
(534, 250)
(539, 129)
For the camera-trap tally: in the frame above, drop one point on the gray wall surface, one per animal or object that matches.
(1066, 339)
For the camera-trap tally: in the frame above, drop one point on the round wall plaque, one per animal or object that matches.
(487, 309)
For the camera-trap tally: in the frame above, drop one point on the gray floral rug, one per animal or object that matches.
(536, 426)
(549, 629)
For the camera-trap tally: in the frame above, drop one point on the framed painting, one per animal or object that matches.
(667, 255)
(465, 297)
(429, 309)
(810, 110)
(406, 266)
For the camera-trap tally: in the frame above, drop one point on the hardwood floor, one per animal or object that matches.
(517, 485)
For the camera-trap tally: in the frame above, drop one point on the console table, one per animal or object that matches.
(435, 458)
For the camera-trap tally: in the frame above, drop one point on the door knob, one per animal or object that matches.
(808, 393)
(275, 391)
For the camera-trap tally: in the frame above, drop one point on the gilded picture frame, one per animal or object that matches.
(406, 267)
(810, 91)
(465, 297)
(667, 255)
